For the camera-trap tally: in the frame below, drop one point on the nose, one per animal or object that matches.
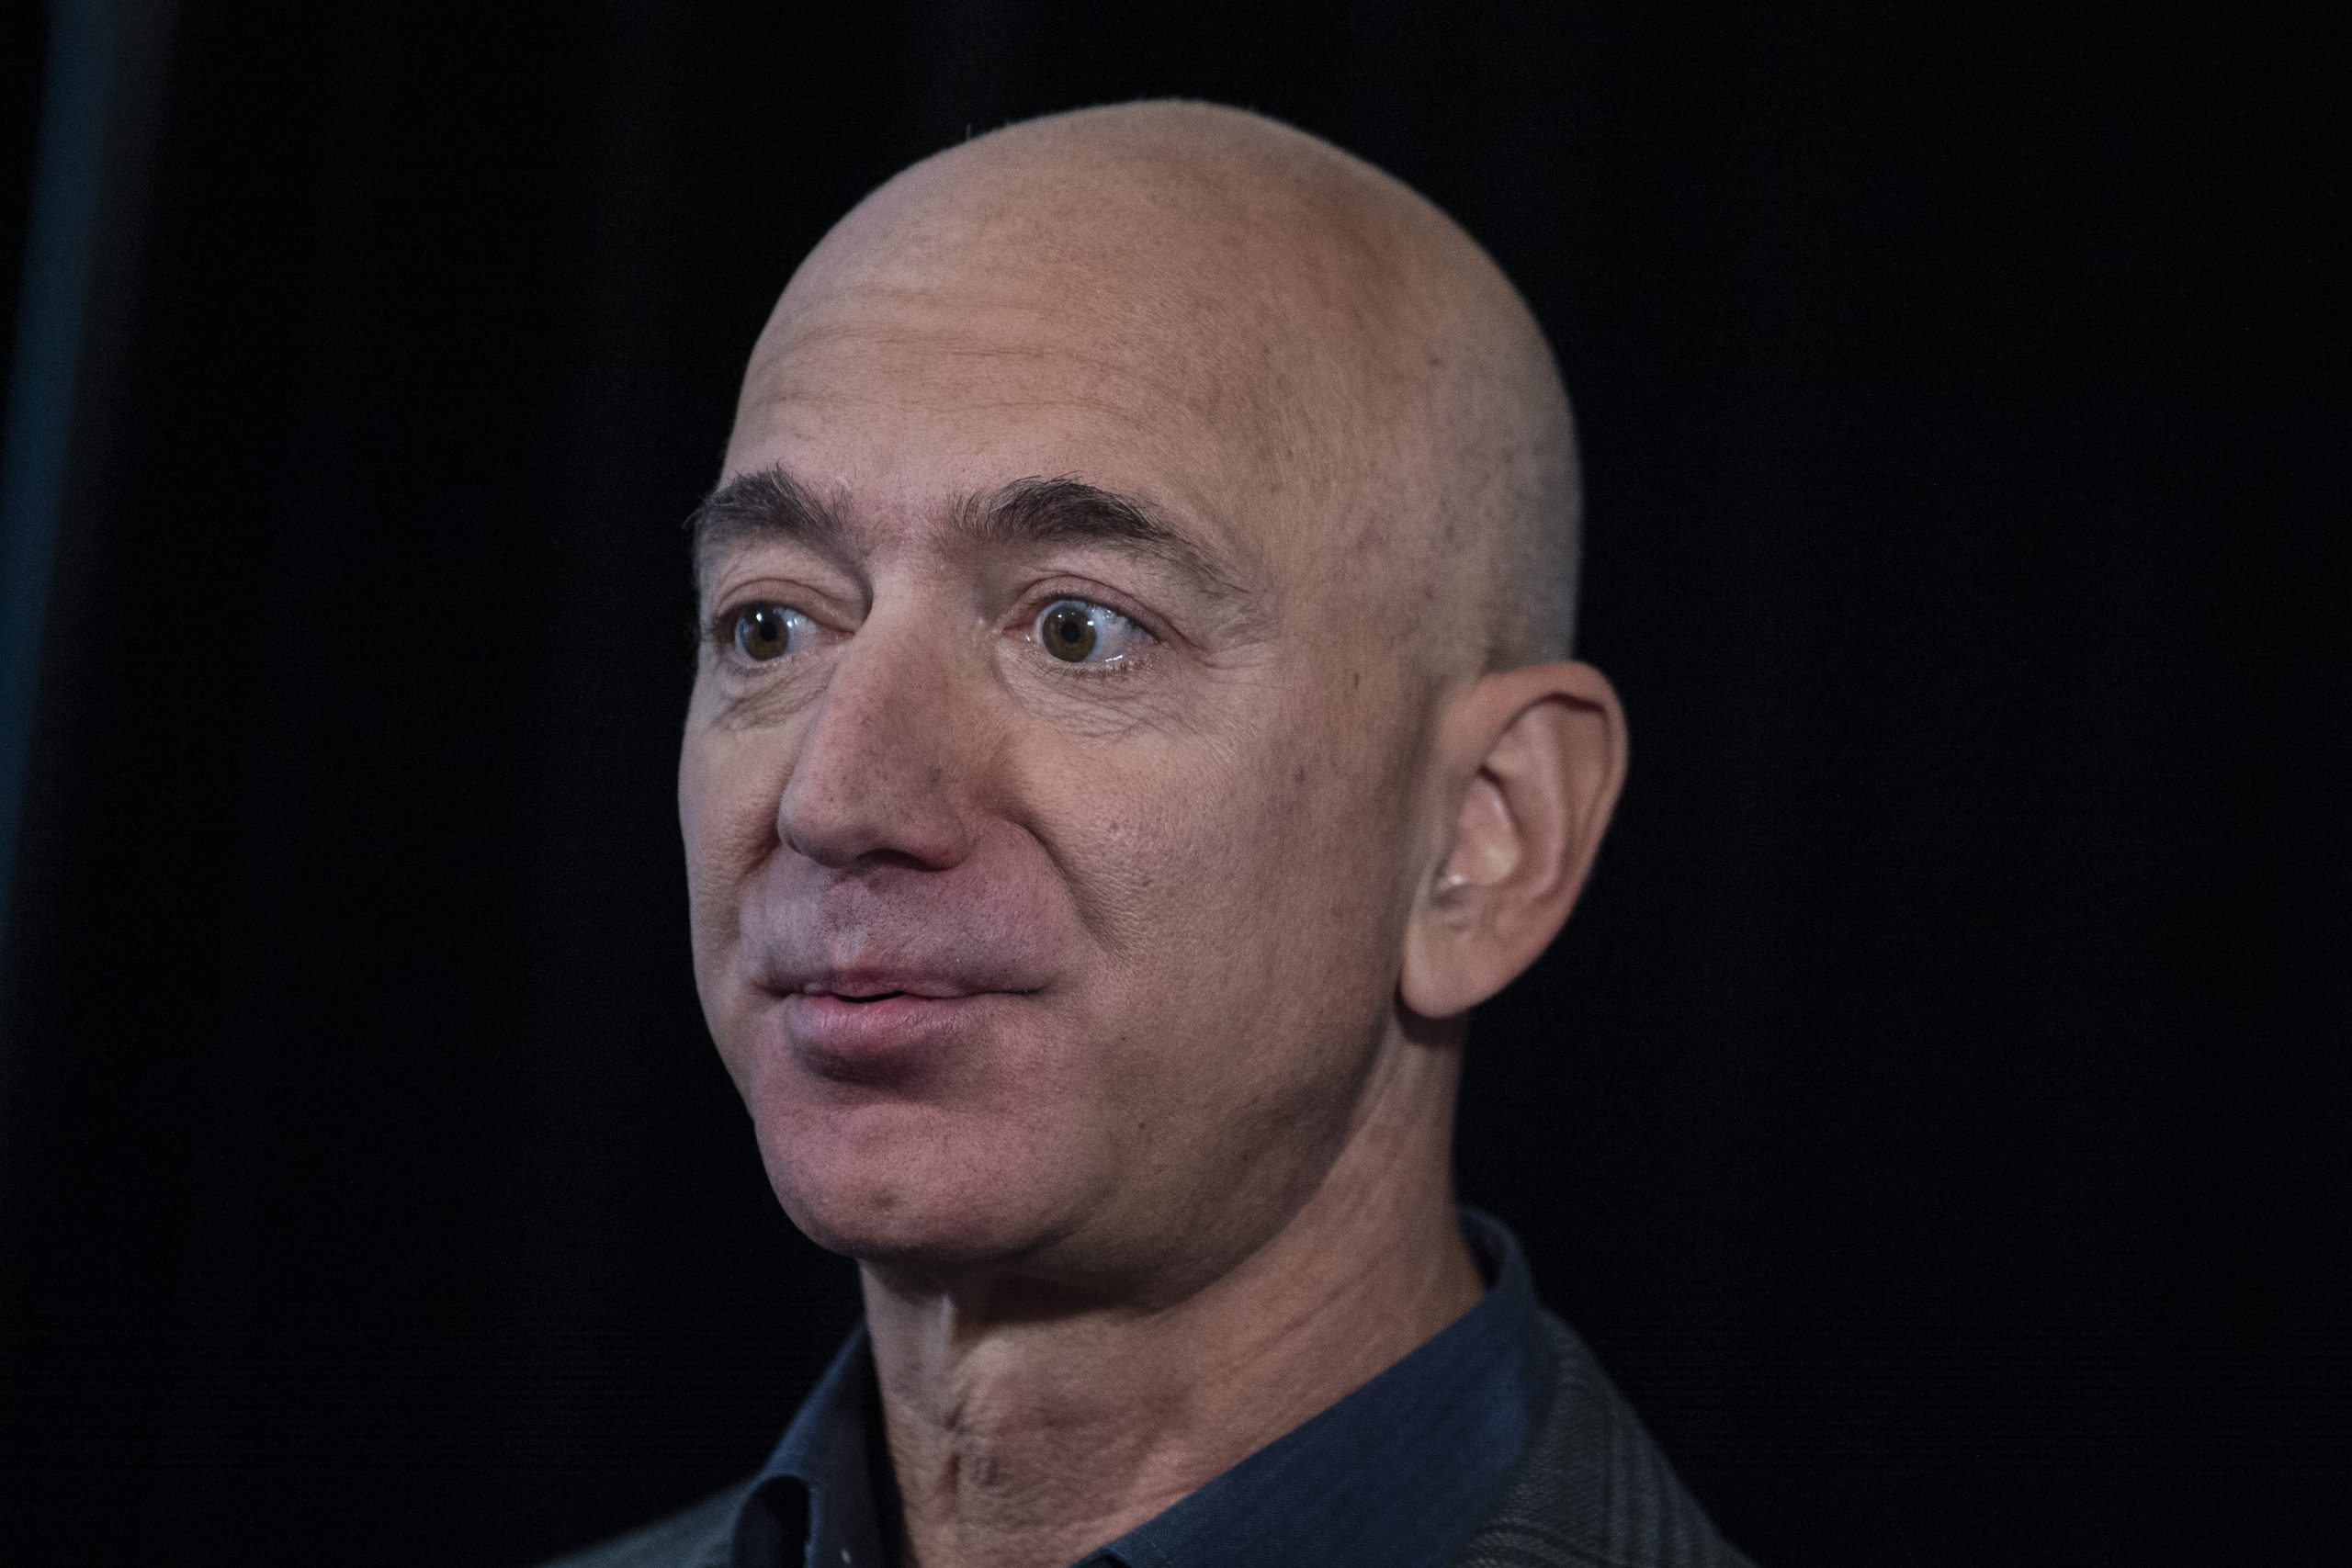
(883, 768)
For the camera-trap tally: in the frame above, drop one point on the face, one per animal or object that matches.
(1049, 861)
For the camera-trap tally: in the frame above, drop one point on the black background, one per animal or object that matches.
(1935, 1116)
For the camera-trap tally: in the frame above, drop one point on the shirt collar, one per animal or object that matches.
(815, 1501)
(1396, 1474)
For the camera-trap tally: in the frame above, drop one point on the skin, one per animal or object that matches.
(1147, 1159)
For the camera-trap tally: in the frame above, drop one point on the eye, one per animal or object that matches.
(1079, 631)
(764, 632)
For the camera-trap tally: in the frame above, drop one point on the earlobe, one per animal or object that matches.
(1532, 759)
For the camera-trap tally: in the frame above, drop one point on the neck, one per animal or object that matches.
(1027, 1442)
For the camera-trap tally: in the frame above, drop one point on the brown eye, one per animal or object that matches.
(1079, 631)
(766, 631)
(1067, 630)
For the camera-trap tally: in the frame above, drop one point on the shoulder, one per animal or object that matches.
(700, 1536)
(1594, 1491)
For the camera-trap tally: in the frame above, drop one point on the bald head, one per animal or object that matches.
(1354, 381)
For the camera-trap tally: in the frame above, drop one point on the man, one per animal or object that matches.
(1133, 728)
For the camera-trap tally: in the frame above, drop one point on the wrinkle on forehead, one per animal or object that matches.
(1042, 367)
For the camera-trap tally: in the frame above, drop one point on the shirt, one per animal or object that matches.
(1396, 1474)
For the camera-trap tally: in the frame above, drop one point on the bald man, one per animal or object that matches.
(1133, 728)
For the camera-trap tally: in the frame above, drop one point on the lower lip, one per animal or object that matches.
(842, 1038)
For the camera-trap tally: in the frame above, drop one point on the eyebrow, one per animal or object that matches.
(766, 503)
(769, 503)
(1068, 511)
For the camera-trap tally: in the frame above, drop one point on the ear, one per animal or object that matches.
(1528, 766)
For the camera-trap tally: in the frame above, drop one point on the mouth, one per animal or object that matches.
(874, 1033)
(859, 990)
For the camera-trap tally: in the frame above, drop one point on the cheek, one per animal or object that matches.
(1241, 897)
(729, 787)
(1232, 877)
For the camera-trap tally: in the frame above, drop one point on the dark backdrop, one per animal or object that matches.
(1936, 1115)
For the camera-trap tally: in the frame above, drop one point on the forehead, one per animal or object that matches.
(898, 421)
(860, 472)
(907, 372)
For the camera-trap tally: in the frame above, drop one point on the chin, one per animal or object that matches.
(913, 1186)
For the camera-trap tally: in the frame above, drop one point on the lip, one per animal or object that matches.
(868, 987)
(891, 1036)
